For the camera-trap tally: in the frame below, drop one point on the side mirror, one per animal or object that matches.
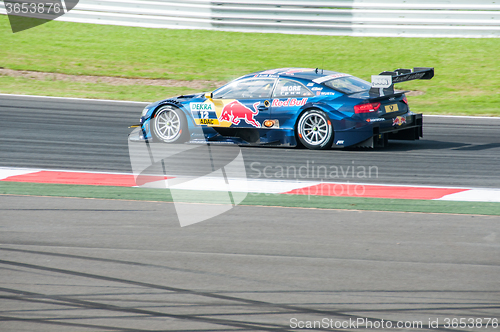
(208, 95)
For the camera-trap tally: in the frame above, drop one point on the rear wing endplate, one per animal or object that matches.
(383, 84)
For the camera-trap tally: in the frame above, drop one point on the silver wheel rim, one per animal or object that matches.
(314, 129)
(168, 125)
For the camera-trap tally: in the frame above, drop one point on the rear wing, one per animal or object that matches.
(383, 84)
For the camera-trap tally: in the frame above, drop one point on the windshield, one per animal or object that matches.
(246, 89)
(348, 84)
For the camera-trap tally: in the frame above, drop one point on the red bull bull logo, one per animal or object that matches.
(236, 111)
(398, 121)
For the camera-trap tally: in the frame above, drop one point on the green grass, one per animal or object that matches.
(26, 86)
(467, 80)
(320, 202)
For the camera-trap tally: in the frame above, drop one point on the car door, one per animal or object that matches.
(244, 103)
(288, 98)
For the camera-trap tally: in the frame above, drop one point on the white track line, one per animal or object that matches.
(234, 184)
(80, 99)
(474, 195)
(8, 172)
(462, 116)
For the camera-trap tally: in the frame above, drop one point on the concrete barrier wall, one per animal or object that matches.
(393, 18)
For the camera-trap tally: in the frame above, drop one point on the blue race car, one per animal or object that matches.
(314, 108)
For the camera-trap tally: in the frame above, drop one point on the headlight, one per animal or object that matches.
(144, 112)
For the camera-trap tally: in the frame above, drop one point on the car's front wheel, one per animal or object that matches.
(169, 125)
(315, 130)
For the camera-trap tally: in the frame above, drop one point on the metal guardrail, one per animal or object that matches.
(404, 18)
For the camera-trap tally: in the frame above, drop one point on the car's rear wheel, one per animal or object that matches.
(169, 125)
(315, 130)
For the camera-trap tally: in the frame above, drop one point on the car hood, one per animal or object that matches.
(183, 98)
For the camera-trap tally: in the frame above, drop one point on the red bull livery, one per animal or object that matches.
(308, 107)
(236, 111)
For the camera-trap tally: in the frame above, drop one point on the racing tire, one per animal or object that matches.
(169, 125)
(314, 130)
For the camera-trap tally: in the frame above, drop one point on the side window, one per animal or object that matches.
(251, 88)
(348, 84)
(288, 88)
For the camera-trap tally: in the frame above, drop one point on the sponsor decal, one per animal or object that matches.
(286, 71)
(398, 121)
(340, 142)
(410, 77)
(328, 93)
(292, 88)
(204, 113)
(271, 124)
(296, 71)
(266, 76)
(381, 81)
(207, 106)
(289, 102)
(329, 77)
(375, 120)
(391, 108)
(207, 122)
(310, 84)
(316, 89)
(236, 111)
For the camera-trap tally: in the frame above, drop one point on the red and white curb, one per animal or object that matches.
(66, 177)
(250, 185)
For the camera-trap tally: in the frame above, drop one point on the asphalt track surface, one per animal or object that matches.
(70, 264)
(92, 135)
